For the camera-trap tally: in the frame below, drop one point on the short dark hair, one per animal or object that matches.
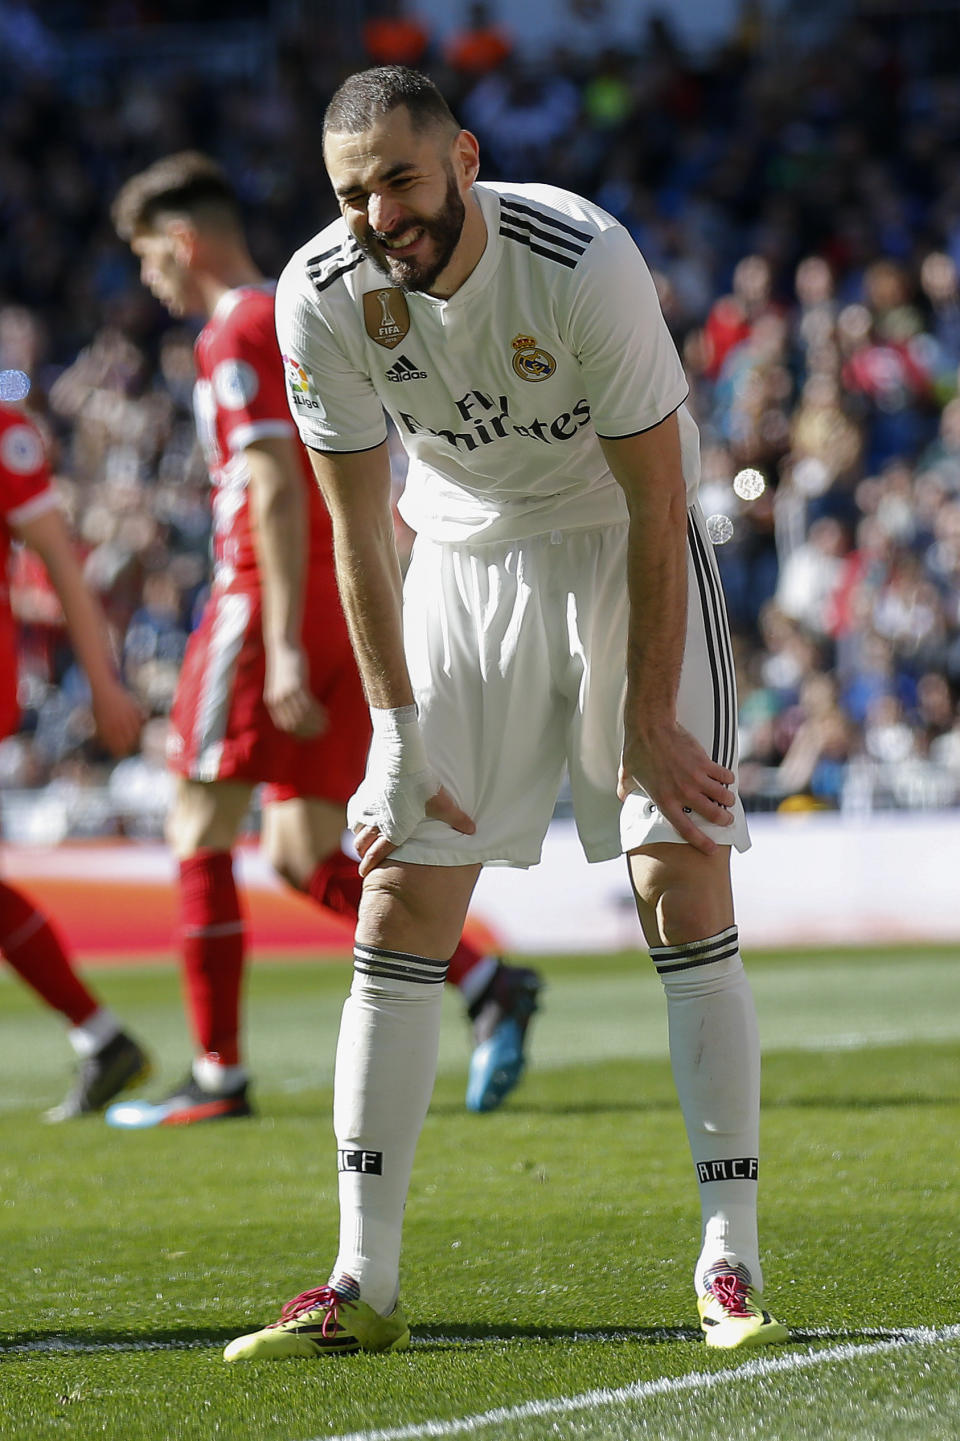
(370, 94)
(188, 183)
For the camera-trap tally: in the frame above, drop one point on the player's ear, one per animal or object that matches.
(185, 239)
(466, 158)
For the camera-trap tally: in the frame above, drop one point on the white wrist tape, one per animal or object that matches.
(399, 782)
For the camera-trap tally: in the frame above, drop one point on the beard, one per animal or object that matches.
(443, 228)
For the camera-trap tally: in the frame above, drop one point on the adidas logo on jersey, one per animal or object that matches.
(405, 369)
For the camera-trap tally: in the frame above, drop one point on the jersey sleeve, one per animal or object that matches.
(247, 375)
(631, 368)
(25, 487)
(331, 397)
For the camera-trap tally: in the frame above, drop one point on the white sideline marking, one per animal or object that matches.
(64, 1346)
(67, 1345)
(640, 1390)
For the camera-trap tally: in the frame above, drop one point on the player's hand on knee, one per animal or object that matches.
(394, 804)
(373, 848)
(382, 821)
(399, 789)
(682, 781)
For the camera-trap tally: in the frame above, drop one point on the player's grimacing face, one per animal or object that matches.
(400, 194)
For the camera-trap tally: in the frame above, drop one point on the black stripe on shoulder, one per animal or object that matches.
(345, 249)
(525, 239)
(325, 278)
(527, 225)
(545, 218)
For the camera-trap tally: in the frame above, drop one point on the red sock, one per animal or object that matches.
(212, 939)
(32, 947)
(462, 962)
(336, 884)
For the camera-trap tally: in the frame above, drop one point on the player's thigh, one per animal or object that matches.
(298, 833)
(416, 909)
(598, 649)
(479, 656)
(706, 699)
(206, 815)
(682, 895)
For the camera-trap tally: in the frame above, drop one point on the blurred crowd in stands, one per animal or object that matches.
(798, 203)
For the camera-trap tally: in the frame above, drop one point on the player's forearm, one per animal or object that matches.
(280, 524)
(657, 590)
(649, 471)
(368, 574)
(357, 491)
(86, 624)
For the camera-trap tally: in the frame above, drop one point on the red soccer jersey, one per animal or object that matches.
(25, 491)
(240, 397)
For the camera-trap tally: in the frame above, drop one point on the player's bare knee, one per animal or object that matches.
(205, 817)
(399, 913)
(182, 834)
(681, 894)
(286, 864)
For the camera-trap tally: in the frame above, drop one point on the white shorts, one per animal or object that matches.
(517, 654)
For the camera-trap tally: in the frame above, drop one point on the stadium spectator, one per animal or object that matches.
(480, 46)
(268, 691)
(110, 1059)
(732, 317)
(811, 577)
(523, 113)
(823, 741)
(391, 36)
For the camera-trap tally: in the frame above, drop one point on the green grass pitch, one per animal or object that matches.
(549, 1246)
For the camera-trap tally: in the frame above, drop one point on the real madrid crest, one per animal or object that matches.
(386, 316)
(530, 360)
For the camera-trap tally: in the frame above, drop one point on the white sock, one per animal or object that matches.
(477, 979)
(219, 1080)
(94, 1033)
(715, 1056)
(385, 1070)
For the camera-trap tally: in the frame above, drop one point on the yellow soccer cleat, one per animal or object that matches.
(732, 1314)
(322, 1322)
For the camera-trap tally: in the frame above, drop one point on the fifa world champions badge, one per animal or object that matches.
(530, 360)
(386, 316)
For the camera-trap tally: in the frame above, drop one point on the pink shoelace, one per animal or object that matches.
(311, 1301)
(731, 1292)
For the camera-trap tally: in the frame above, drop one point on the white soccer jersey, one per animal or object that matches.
(498, 393)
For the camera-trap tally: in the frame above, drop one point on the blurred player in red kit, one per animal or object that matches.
(110, 1059)
(269, 690)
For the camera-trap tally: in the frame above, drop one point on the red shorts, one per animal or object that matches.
(220, 729)
(9, 709)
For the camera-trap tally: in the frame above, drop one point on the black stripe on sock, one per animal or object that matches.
(669, 968)
(399, 973)
(399, 965)
(691, 948)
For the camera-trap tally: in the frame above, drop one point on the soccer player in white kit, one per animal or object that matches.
(562, 606)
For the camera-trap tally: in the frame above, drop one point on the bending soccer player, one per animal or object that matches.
(110, 1059)
(562, 604)
(269, 691)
